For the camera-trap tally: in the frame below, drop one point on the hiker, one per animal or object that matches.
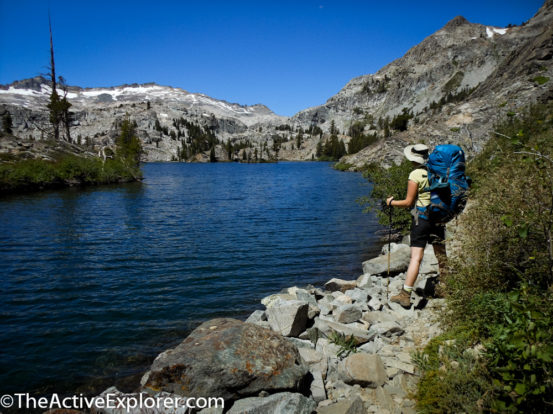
(422, 230)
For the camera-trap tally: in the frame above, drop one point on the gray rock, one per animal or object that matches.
(281, 403)
(310, 356)
(328, 327)
(341, 285)
(400, 311)
(393, 362)
(230, 359)
(396, 284)
(268, 301)
(364, 281)
(376, 317)
(372, 347)
(375, 304)
(106, 403)
(399, 261)
(301, 343)
(305, 295)
(358, 295)
(212, 411)
(393, 247)
(364, 369)
(316, 360)
(325, 308)
(289, 317)
(328, 349)
(340, 300)
(318, 391)
(256, 317)
(385, 400)
(349, 406)
(386, 329)
(347, 313)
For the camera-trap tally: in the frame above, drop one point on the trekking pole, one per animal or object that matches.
(389, 237)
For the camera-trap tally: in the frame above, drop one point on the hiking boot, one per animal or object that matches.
(404, 298)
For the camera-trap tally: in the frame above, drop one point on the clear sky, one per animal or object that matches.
(288, 55)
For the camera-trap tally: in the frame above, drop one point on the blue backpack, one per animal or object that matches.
(447, 184)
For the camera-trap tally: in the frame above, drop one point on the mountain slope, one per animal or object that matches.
(450, 88)
(97, 113)
(456, 83)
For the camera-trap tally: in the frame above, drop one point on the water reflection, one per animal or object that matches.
(96, 282)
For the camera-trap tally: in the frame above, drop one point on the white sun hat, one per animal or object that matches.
(417, 153)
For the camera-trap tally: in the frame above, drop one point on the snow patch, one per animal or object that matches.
(491, 31)
(24, 92)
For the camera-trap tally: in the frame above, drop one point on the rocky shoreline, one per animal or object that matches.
(344, 348)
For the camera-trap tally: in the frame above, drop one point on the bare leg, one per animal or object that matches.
(413, 270)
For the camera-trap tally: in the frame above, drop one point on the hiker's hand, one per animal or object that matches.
(389, 201)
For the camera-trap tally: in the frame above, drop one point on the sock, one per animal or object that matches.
(408, 289)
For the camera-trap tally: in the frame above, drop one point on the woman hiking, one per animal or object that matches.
(422, 231)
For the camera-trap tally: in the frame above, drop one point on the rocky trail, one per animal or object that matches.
(344, 348)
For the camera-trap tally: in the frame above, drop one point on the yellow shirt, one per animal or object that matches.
(420, 176)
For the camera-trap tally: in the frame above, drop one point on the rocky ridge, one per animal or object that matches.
(455, 85)
(98, 112)
(344, 348)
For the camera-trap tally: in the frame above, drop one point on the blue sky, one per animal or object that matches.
(288, 55)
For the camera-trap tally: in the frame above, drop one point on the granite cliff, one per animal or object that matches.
(450, 88)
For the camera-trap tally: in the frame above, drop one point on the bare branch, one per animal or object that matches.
(500, 134)
(536, 154)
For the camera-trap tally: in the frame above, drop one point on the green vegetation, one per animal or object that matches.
(400, 121)
(32, 175)
(454, 82)
(388, 182)
(499, 288)
(347, 344)
(450, 97)
(342, 166)
(128, 145)
(7, 123)
(198, 138)
(333, 149)
(540, 80)
(359, 139)
(455, 129)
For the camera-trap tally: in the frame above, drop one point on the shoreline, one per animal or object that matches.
(318, 324)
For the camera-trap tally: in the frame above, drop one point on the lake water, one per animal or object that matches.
(96, 282)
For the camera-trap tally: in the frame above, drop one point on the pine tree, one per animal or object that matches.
(64, 105)
(54, 104)
(229, 150)
(7, 123)
(129, 148)
(212, 157)
(333, 130)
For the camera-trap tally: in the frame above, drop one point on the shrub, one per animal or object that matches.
(342, 166)
(540, 80)
(520, 354)
(385, 183)
(499, 287)
(28, 175)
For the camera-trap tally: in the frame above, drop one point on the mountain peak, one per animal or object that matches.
(455, 22)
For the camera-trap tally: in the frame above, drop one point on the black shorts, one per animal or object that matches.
(426, 232)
